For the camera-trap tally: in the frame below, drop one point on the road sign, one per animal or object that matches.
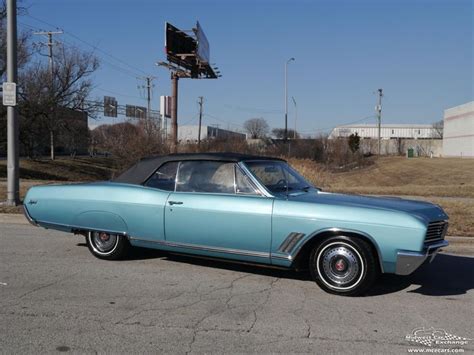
(9, 94)
(110, 106)
(135, 111)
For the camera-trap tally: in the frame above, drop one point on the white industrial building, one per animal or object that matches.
(458, 137)
(189, 134)
(387, 131)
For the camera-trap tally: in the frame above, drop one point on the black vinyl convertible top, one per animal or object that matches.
(141, 171)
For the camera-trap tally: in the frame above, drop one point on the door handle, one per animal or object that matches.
(175, 203)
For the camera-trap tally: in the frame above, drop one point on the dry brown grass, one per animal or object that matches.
(397, 176)
(461, 216)
(64, 169)
(446, 182)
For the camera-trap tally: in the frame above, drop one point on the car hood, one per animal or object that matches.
(423, 210)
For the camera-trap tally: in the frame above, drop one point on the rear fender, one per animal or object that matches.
(100, 221)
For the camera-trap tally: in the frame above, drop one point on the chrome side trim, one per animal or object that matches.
(205, 248)
(409, 261)
(79, 228)
(28, 217)
(290, 241)
(298, 248)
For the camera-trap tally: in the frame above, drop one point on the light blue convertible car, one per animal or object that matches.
(246, 208)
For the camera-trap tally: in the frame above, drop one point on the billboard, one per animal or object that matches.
(202, 46)
(165, 106)
(180, 48)
(190, 53)
(110, 106)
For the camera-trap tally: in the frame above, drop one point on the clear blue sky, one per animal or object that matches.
(419, 52)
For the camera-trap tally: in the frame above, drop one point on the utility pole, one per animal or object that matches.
(148, 86)
(296, 116)
(379, 118)
(13, 176)
(50, 45)
(174, 111)
(200, 102)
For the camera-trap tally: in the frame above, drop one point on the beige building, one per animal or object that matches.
(458, 135)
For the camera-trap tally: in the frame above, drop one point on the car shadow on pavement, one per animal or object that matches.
(447, 275)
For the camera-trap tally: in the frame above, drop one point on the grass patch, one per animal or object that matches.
(64, 169)
(446, 177)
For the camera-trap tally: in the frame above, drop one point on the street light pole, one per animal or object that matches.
(286, 97)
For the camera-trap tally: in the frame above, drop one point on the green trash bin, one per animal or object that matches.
(410, 153)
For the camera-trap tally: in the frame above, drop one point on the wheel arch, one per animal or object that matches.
(302, 253)
(97, 220)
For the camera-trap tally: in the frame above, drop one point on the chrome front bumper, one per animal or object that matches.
(409, 261)
(28, 217)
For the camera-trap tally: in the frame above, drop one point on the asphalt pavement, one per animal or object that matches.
(56, 297)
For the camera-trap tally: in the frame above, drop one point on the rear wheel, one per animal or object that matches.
(343, 265)
(107, 245)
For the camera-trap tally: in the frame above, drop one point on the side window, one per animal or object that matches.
(243, 184)
(269, 174)
(206, 176)
(164, 178)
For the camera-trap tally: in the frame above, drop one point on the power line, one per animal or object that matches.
(189, 121)
(118, 93)
(342, 124)
(89, 44)
(223, 121)
(73, 45)
(111, 65)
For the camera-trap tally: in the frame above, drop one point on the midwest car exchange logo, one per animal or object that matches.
(432, 337)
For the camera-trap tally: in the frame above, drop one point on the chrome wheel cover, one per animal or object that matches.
(103, 243)
(340, 266)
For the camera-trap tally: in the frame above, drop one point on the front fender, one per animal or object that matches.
(293, 245)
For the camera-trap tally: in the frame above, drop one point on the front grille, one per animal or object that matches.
(436, 231)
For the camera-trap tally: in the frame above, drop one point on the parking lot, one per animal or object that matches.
(55, 296)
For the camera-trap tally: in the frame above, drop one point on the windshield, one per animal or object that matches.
(278, 176)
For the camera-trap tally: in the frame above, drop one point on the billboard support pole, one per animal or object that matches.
(13, 176)
(174, 112)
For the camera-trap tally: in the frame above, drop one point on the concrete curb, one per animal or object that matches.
(13, 218)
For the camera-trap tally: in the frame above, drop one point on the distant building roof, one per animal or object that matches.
(387, 125)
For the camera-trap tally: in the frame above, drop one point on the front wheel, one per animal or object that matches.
(107, 246)
(343, 265)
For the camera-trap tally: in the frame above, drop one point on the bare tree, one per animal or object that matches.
(256, 127)
(128, 142)
(438, 128)
(279, 133)
(44, 96)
